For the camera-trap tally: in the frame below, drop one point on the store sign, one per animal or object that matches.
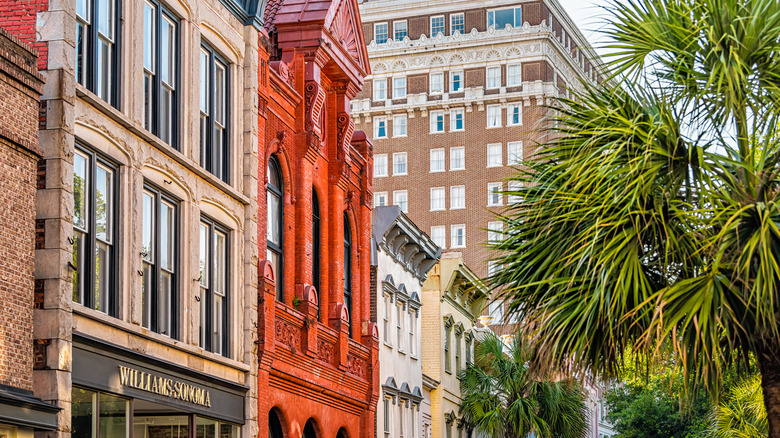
(163, 386)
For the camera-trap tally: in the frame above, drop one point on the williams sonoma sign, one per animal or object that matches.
(163, 386)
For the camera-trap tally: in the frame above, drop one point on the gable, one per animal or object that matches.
(345, 27)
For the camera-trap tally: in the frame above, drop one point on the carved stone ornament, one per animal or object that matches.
(345, 127)
(315, 100)
(288, 334)
(343, 29)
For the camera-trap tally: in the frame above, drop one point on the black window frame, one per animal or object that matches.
(154, 303)
(316, 226)
(206, 341)
(90, 53)
(208, 152)
(278, 249)
(113, 285)
(160, 13)
(348, 270)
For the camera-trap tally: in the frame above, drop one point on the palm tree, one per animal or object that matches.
(742, 413)
(653, 216)
(503, 398)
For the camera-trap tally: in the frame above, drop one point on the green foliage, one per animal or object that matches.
(502, 398)
(742, 413)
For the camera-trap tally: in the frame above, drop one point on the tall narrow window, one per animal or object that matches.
(412, 330)
(399, 30)
(457, 352)
(380, 89)
(456, 81)
(316, 255)
(160, 75)
(399, 87)
(97, 60)
(94, 216)
(380, 33)
(447, 334)
(437, 25)
(213, 113)
(213, 286)
(437, 83)
(456, 120)
(159, 252)
(493, 77)
(348, 270)
(275, 212)
(457, 23)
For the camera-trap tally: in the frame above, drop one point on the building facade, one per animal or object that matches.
(452, 297)
(146, 261)
(401, 256)
(21, 413)
(317, 346)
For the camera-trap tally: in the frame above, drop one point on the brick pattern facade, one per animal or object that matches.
(20, 88)
(19, 17)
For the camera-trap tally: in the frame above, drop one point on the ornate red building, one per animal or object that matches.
(318, 361)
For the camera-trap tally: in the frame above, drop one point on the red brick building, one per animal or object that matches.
(318, 363)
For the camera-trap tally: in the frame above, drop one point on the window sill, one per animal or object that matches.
(149, 335)
(493, 166)
(495, 205)
(135, 128)
(437, 132)
(457, 208)
(437, 171)
(513, 125)
(456, 247)
(455, 170)
(400, 136)
(457, 130)
(494, 127)
(400, 174)
(388, 345)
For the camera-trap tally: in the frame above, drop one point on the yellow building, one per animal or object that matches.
(453, 297)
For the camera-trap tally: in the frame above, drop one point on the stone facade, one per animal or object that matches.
(452, 298)
(318, 363)
(20, 90)
(402, 256)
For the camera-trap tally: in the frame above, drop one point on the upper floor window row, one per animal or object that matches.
(97, 51)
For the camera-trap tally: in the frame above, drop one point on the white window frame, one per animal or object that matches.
(396, 119)
(440, 240)
(439, 83)
(443, 160)
(397, 194)
(516, 79)
(443, 26)
(452, 81)
(453, 119)
(462, 20)
(453, 234)
(387, 32)
(513, 186)
(493, 81)
(495, 194)
(514, 153)
(510, 109)
(457, 201)
(376, 95)
(438, 199)
(494, 154)
(495, 231)
(377, 159)
(434, 116)
(379, 195)
(398, 158)
(488, 116)
(514, 16)
(395, 29)
(377, 122)
(399, 91)
(454, 152)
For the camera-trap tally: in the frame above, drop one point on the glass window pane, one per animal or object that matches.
(148, 227)
(167, 235)
(102, 268)
(168, 55)
(82, 410)
(204, 256)
(113, 416)
(227, 430)
(105, 17)
(164, 303)
(104, 69)
(149, 24)
(80, 191)
(220, 256)
(219, 93)
(167, 426)
(79, 242)
(104, 189)
(82, 9)
(204, 81)
(205, 428)
(274, 227)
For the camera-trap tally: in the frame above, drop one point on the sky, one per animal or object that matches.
(588, 15)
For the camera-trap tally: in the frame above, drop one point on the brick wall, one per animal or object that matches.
(20, 88)
(19, 18)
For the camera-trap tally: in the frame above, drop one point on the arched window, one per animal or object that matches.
(348, 270)
(274, 253)
(274, 425)
(316, 254)
(308, 430)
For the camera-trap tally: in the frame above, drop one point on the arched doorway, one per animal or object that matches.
(274, 425)
(308, 430)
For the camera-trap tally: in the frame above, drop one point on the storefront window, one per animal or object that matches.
(91, 410)
(205, 428)
(168, 426)
(113, 413)
(82, 409)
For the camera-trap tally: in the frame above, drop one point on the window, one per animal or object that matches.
(437, 160)
(399, 30)
(94, 413)
(399, 87)
(380, 33)
(457, 197)
(513, 75)
(399, 163)
(160, 76)
(495, 197)
(438, 237)
(387, 415)
(386, 318)
(437, 198)
(399, 320)
(380, 127)
(437, 25)
(275, 218)
(457, 352)
(380, 165)
(494, 155)
(494, 116)
(159, 252)
(501, 17)
(457, 24)
(514, 187)
(94, 232)
(213, 111)
(348, 270)
(437, 121)
(456, 81)
(213, 281)
(399, 125)
(97, 58)
(493, 77)
(468, 349)
(514, 153)
(457, 158)
(496, 310)
(514, 114)
(456, 120)
(400, 199)
(380, 89)
(316, 229)
(401, 419)
(380, 199)
(437, 83)
(447, 334)
(412, 341)
(458, 236)
(495, 231)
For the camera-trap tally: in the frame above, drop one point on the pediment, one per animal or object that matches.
(345, 27)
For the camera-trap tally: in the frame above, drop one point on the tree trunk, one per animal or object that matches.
(769, 365)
